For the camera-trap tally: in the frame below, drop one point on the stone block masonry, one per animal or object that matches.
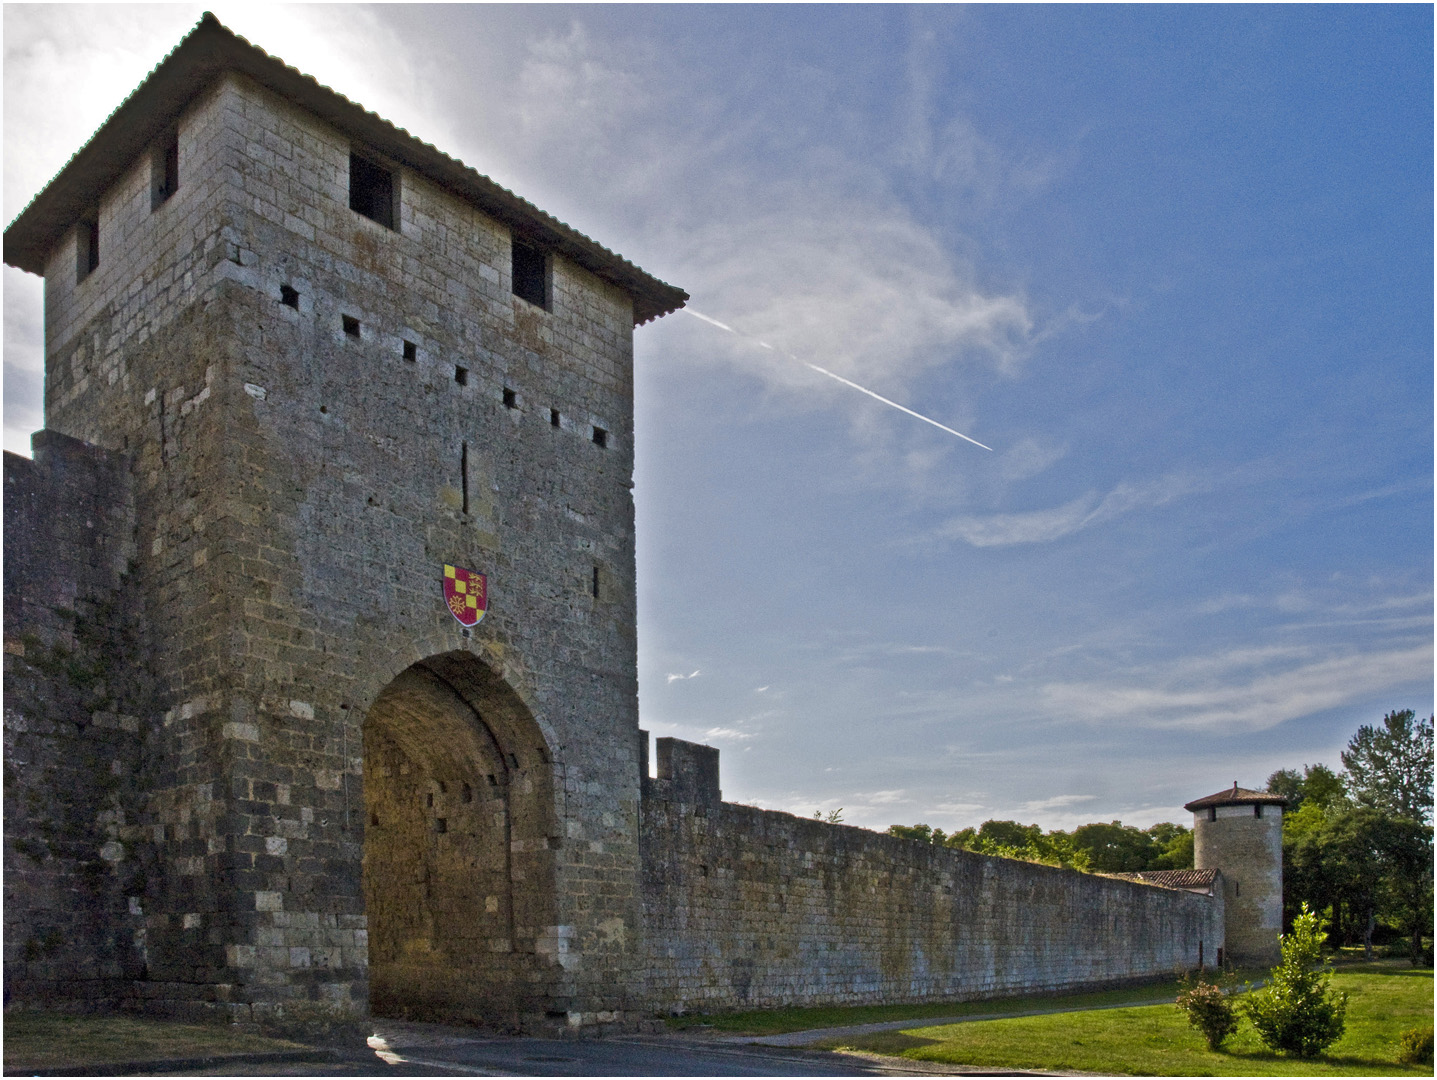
(74, 750)
(749, 908)
(297, 362)
(312, 412)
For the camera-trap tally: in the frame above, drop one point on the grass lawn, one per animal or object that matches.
(1384, 999)
(35, 1040)
(779, 1021)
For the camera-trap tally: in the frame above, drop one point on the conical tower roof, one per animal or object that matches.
(1235, 796)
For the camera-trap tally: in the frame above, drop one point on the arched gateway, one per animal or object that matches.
(459, 873)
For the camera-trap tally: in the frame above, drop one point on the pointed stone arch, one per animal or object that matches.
(461, 828)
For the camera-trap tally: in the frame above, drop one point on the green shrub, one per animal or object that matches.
(1416, 1046)
(1298, 1012)
(1209, 1010)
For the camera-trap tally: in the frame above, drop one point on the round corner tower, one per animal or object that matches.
(1239, 832)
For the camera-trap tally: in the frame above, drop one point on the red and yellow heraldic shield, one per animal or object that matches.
(466, 593)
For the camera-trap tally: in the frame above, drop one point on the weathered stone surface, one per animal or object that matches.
(254, 767)
(748, 908)
(1245, 842)
(74, 883)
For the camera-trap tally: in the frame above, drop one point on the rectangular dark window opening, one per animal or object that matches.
(351, 325)
(441, 824)
(289, 297)
(1257, 809)
(371, 190)
(464, 475)
(594, 587)
(1212, 813)
(461, 375)
(601, 437)
(411, 351)
(530, 275)
(511, 399)
(554, 417)
(87, 254)
(166, 172)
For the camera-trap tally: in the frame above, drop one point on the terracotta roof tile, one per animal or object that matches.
(1235, 796)
(1172, 879)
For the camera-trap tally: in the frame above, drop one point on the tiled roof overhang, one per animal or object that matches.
(209, 51)
(1172, 879)
(1235, 796)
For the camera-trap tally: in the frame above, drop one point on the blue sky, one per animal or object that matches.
(1174, 265)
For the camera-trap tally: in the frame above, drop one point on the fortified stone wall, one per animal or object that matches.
(754, 908)
(73, 744)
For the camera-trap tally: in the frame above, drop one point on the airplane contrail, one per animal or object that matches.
(837, 378)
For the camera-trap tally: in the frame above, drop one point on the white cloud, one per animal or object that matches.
(1044, 526)
(1240, 690)
(675, 677)
(727, 733)
(1029, 457)
(1057, 802)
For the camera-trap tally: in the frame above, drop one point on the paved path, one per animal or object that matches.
(402, 1049)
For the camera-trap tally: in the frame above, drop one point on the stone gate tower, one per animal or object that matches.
(314, 362)
(1239, 832)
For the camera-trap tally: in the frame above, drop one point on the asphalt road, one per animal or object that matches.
(548, 1057)
(404, 1049)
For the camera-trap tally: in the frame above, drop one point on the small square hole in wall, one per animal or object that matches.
(461, 375)
(411, 351)
(554, 417)
(601, 437)
(351, 325)
(511, 399)
(289, 297)
(441, 825)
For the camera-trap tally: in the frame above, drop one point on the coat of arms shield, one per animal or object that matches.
(466, 593)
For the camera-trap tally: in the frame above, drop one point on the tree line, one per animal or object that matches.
(1356, 844)
(1102, 847)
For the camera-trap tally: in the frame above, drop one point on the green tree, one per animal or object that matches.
(1115, 847)
(1389, 768)
(1405, 849)
(993, 835)
(1315, 784)
(1175, 847)
(1298, 1012)
(922, 833)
